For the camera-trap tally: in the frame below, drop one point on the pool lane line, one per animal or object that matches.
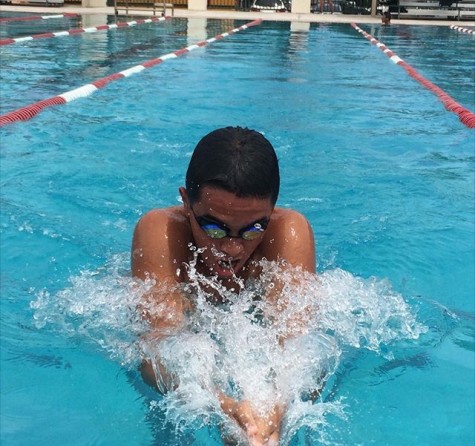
(28, 112)
(462, 30)
(38, 17)
(466, 116)
(76, 31)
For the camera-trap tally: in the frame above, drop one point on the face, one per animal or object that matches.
(248, 217)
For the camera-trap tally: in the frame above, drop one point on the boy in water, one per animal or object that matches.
(229, 216)
(386, 18)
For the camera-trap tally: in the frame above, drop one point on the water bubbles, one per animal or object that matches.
(26, 227)
(249, 351)
(99, 307)
(276, 340)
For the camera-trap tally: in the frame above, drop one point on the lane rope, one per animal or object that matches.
(466, 116)
(462, 30)
(76, 31)
(38, 17)
(28, 112)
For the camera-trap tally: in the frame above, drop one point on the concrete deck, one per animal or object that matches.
(241, 15)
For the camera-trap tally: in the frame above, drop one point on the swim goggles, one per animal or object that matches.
(217, 230)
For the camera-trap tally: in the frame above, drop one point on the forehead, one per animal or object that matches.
(219, 202)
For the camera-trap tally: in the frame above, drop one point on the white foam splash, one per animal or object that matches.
(237, 347)
(99, 306)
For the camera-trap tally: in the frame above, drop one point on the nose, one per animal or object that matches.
(232, 247)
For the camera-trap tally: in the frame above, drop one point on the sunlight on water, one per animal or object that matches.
(238, 347)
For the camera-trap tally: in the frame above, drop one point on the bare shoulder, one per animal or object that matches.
(159, 223)
(288, 224)
(174, 213)
(289, 216)
(160, 237)
(290, 237)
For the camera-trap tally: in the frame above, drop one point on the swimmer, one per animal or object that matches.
(229, 215)
(386, 18)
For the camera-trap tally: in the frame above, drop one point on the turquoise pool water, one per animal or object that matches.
(383, 172)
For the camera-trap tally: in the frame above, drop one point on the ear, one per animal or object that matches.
(184, 197)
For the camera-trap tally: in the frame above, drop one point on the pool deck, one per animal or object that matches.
(241, 15)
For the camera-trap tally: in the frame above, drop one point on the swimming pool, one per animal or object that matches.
(383, 172)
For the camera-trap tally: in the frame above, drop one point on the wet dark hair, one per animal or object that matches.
(236, 159)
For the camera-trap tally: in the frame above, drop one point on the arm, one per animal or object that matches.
(159, 247)
(157, 253)
(294, 244)
(289, 239)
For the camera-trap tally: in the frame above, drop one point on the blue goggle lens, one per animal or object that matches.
(215, 231)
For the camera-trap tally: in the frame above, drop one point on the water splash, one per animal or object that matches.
(282, 353)
(99, 306)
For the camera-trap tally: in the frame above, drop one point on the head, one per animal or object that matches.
(232, 185)
(235, 159)
(386, 18)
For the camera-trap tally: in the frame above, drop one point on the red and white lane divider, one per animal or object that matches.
(76, 31)
(38, 17)
(32, 110)
(462, 30)
(466, 116)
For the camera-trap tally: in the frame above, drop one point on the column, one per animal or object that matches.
(197, 5)
(300, 7)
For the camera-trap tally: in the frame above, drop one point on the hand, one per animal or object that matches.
(268, 428)
(260, 430)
